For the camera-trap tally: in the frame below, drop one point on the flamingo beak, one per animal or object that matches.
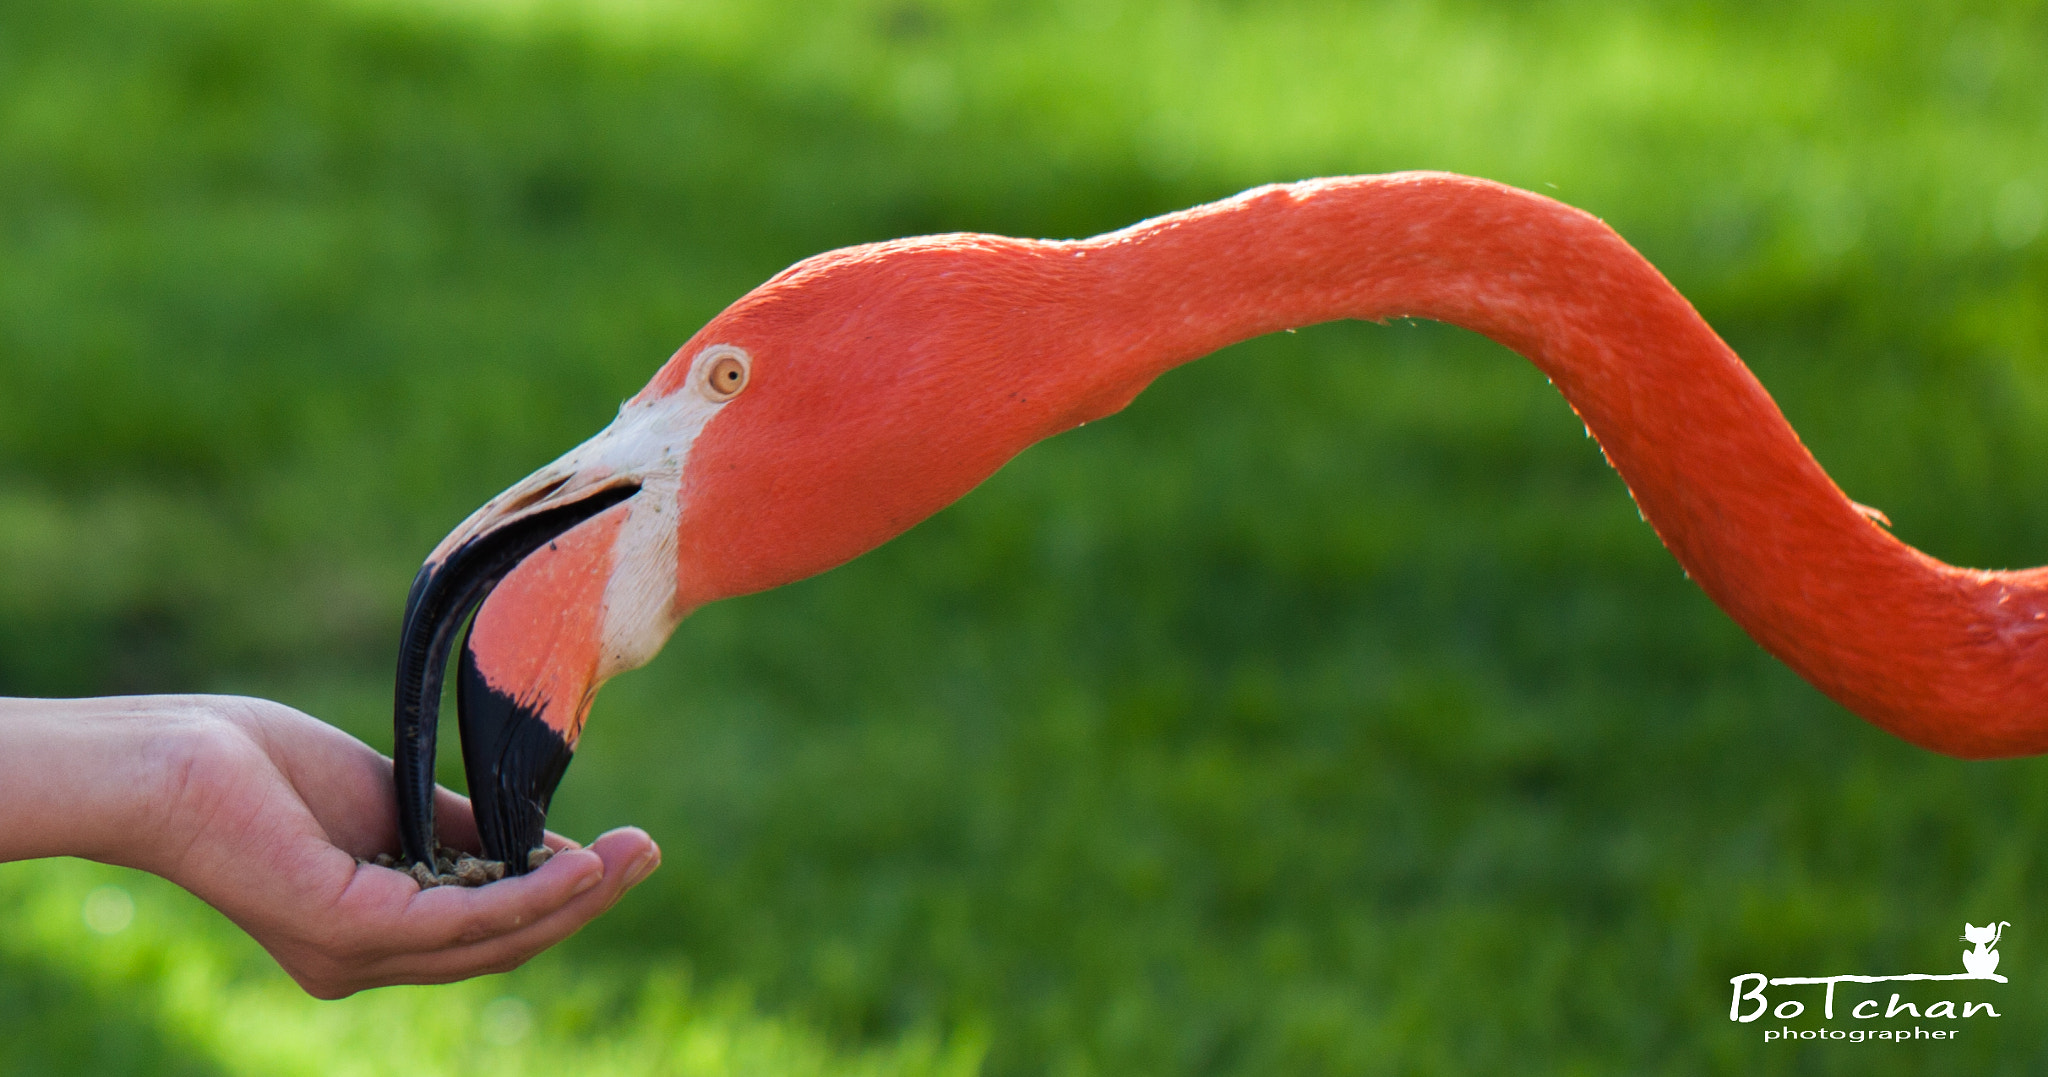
(512, 759)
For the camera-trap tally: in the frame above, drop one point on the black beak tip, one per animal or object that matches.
(514, 760)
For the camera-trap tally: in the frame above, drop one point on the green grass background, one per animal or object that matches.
(1328, 712)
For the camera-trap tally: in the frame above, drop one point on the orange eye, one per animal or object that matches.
(725, 375)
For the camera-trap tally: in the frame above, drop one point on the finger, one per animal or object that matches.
(345, 783)
(384, 911)
(397, 955)
(450, 916)
(630, 856)
(411, 919)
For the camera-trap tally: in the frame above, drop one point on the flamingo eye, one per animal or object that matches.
(725, 370)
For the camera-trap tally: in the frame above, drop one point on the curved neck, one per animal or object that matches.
(1952, 659)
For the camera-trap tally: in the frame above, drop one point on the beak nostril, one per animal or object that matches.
(535, 497)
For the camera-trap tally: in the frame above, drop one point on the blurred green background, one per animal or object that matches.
(1328, 712)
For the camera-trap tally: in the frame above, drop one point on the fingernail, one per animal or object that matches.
(642, 868)
(588, 880)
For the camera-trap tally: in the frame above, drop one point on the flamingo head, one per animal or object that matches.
(827, 411)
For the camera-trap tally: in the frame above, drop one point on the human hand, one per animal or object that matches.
(263, 812)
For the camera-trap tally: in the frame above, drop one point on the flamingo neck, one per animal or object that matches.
(1952, 659)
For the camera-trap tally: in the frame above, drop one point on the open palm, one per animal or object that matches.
(265, 814)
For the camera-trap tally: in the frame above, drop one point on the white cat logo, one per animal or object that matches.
(1749, 1003)
(1982, 962)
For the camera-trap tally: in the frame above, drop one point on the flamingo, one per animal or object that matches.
(861, 390)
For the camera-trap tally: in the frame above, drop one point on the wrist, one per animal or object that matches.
(94, 778)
